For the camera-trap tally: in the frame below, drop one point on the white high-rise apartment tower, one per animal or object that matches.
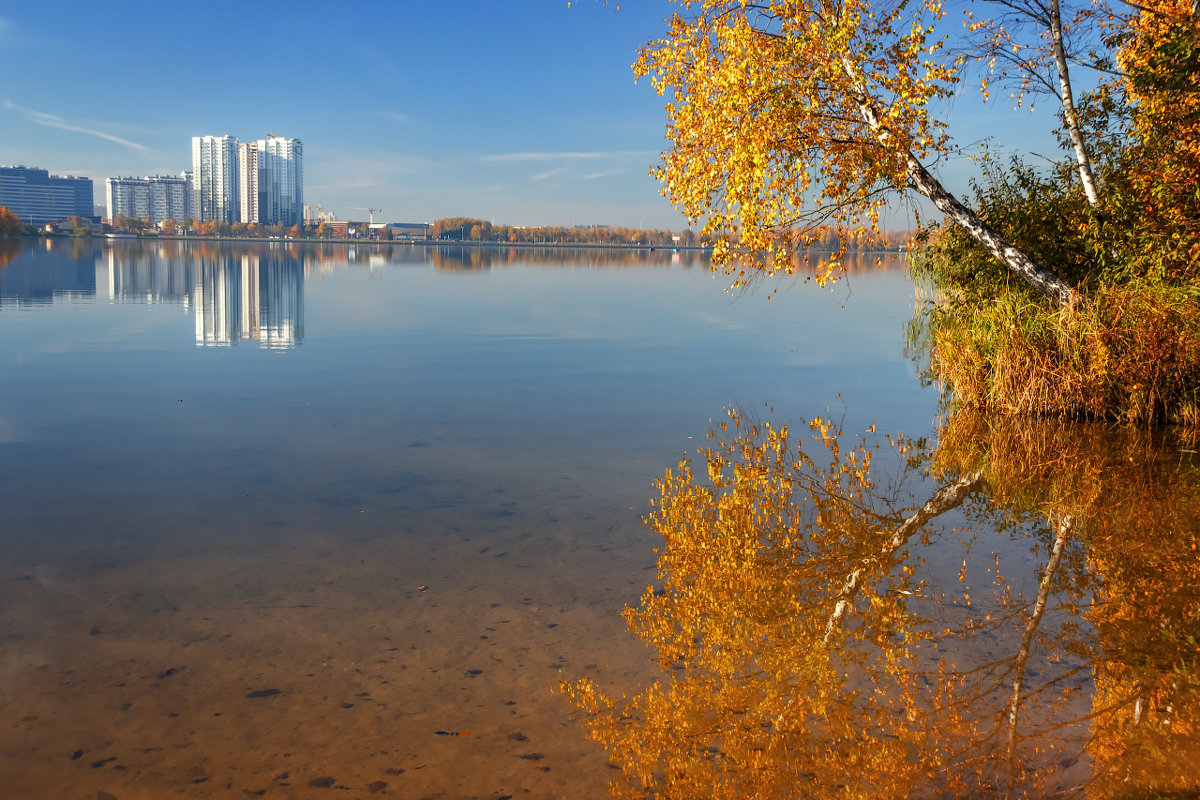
(248, 182)
(280, 180)
(215, 178)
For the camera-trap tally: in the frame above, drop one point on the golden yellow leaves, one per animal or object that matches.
(769, 139)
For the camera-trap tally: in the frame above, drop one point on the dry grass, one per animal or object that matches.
(1131, 354)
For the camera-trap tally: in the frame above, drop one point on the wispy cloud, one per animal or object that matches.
(396, 116)
(550, 173)
(501, 157)
(55, 121)
(344, 170)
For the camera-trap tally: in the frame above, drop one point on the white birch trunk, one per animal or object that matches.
(1036, 276)
(924, 182)
(1083, 162)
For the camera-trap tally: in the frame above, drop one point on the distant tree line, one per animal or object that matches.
(479, 230)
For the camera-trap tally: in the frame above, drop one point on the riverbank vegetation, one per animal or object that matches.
(1071, 289)
(1131, 247)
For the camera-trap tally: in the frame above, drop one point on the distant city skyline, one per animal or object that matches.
(521, 114)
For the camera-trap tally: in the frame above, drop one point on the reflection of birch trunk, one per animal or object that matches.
(947, 497)
(1065, 524)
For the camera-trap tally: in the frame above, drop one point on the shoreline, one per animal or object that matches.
(411, 242)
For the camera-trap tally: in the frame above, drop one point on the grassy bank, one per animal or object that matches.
(1132, 353)
(1129, 351)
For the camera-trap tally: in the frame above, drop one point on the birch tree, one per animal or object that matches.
(787, 115)
(1025, 42)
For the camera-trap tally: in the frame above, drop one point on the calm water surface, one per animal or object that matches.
(281, 520)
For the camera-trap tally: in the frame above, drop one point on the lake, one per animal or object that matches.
(281, 519)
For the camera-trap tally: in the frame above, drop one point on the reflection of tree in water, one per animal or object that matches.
(1136, 495)
(10, 248)
(462, 258)
(815, 638)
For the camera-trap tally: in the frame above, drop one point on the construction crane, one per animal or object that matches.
(370, 211)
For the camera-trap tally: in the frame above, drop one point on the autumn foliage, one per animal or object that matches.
(1132, 352)
(766, 118)
(788, 116)
(10, 223)
(1160, 47)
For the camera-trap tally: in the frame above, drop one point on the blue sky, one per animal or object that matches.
(525, 113)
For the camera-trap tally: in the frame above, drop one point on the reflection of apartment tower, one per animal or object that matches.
(42, 275)
(250, 316)
(248, 298)
(280, 180)
(148, 277)
(217, 298)
(156, 198)
(215, 178)
(248, 182)
(281, 289)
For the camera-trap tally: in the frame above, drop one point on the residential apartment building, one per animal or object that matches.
(38, 197)
(168, 198)
(215, 194)
(156, 198)
(248, 182)
(260, 181)
(189, 195)
(127, 196)
(281, 180)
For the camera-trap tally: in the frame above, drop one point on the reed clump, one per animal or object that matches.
(1132, 353)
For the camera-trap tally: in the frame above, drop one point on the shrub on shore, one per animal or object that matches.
(1131, 352)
